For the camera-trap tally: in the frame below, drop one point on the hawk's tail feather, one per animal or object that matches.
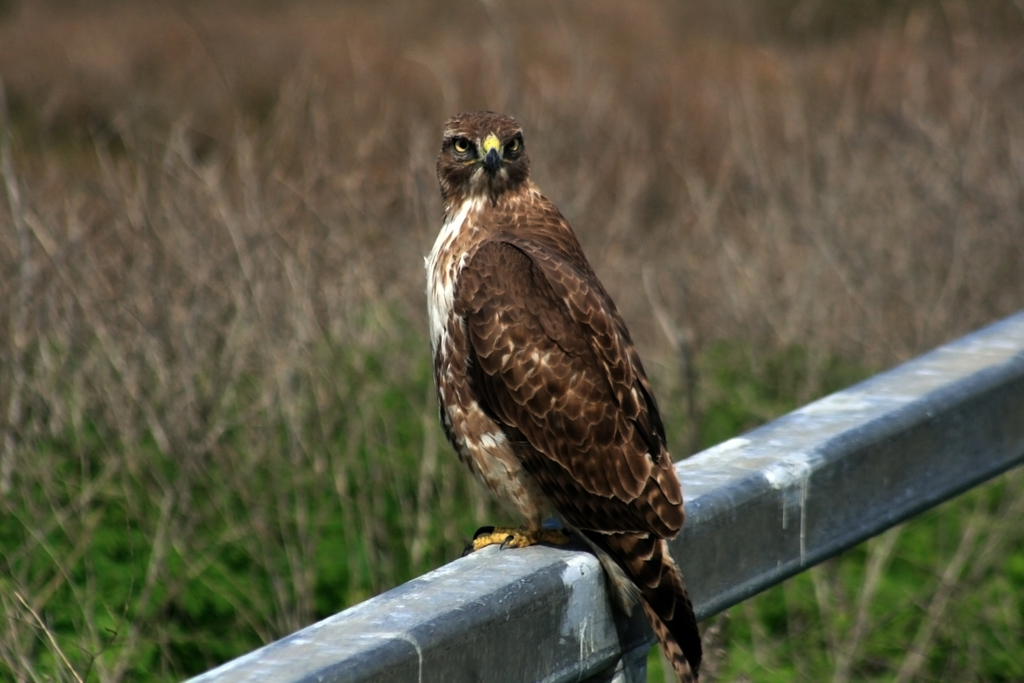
(646, 561)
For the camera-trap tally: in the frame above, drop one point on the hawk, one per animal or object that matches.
(541, 391)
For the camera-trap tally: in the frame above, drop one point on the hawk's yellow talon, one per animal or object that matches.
(519, 538)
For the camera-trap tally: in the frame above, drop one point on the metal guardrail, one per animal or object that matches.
(760, 508)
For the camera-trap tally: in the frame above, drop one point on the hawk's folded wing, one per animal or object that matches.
(552, 363)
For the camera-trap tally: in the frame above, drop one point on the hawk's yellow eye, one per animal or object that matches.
(514, 145)
(461, 145)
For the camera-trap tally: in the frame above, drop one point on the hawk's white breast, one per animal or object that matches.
(442, 272)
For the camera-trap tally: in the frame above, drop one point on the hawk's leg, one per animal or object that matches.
(508, 537)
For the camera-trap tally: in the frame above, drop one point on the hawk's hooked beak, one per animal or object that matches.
(492, 147)
(492, 162)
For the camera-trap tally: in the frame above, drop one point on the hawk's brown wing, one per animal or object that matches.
(551, 362)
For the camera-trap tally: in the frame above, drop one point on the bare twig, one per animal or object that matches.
(919, 648)
(878, 559)
(682, 343)
(49, 636)
(19, 305)
(426, 484)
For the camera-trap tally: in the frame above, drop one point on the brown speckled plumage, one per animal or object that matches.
(541, 390)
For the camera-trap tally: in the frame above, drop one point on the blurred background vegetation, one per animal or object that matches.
(216, 410)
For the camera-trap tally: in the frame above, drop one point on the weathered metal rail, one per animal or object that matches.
(760, 508)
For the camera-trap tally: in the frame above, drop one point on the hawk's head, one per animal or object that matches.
(482, 155)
